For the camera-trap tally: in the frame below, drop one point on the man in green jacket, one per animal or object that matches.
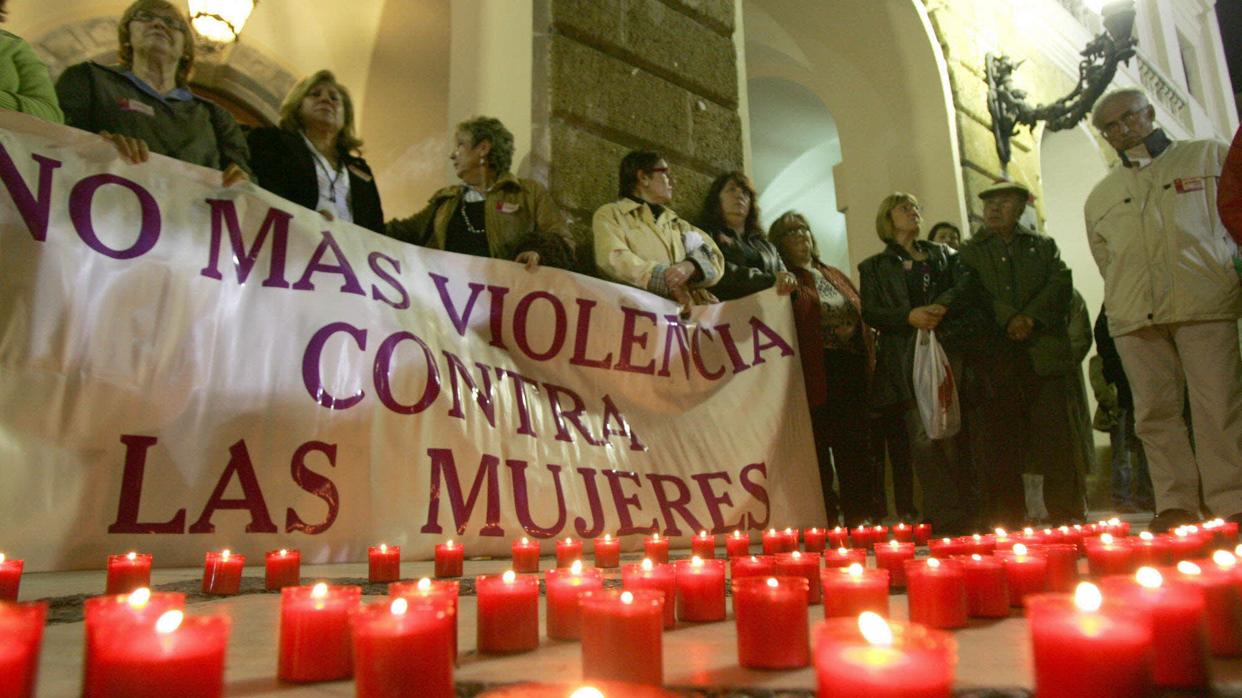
(1027, 425)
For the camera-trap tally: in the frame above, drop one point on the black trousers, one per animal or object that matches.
(840, 426)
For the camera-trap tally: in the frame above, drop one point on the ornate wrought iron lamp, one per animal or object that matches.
(1009, 108)
(217, 23)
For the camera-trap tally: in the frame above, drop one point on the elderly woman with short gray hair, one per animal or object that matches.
(491, 213)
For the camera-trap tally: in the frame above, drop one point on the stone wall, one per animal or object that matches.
(610, 77)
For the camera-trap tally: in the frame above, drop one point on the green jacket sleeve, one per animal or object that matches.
(34, 93)
(415, 229)
(230, 140)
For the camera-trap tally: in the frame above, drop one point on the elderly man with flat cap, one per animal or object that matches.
(1027, 423)
(1173, 300)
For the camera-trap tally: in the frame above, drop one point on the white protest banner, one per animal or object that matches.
(185, 367)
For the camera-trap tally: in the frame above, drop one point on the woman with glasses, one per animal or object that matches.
(313, 158)
(144, 104)
(838, 353)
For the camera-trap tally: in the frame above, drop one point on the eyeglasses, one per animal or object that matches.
(174, 23)
(659, 170)
(908, 207)
(1127, 119)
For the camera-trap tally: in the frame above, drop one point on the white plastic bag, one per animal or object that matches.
(935, 388)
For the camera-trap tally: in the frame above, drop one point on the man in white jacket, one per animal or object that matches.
(1173, 300)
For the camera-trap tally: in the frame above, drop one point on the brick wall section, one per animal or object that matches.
(619, 76)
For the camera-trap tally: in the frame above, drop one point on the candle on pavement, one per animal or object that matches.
(563, 588)
(314, 632)
(805, 565)
(450, 559)
(282, 568)
(772, 622)
(880, 659)
(1024, 573)
(177, 655)
(703, 545)
(128, 572)
(849, 591)
(626, 638)
(661, 578)
(431, 592)
(937, 593)
(567, 552)
(383, 563)
(525, 556)
(10, 578)
(1175, 612)
(508, 613)
(655, 549)
(607, 552)
(737, 544)
(987, 592)
(398, 645)
(700, 590)
(222, 573)
(21, 627)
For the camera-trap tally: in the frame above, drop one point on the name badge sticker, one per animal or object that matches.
(1188, 184)
(507, 207)
(134, 105)
(357, 171)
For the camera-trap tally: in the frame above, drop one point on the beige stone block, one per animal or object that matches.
(715, 135)
(583, 173)
(717, 14)
(978, 145)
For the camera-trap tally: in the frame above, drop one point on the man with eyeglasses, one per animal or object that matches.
(1173, 301)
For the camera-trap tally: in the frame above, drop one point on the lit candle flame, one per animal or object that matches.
(1114, 521)
(170, 621)
(383, 548)
(1028, 531)
(893, 544)
(607, 537)
(1, 557)
(879, 528)
(508, 577)
(1237, 552)
(977, 537)
(1107, 539)
(1224, 558)
(225, 554)
(1149, 578)
(319, 591)
(1064, 529)
(702, 534)
(1019, 550)
(131, 556)
(1188, 567)
(647, 565)
(1087, 597)
(796, 555)
(576, 568)
(737, 534)
(627, 597)
(655, 536)
(587, 692)
(976, 557)
(696, 562)
(568, 540)
(845, 551)
(449, 543)
(933, 562)
(399, 606)
(772, 582)
(854, 570)
(424, 585)
(874, 629)
(788, 531)
(283, 552)
(772, 531)
(139, 598)
(1146, 535)
(946, 540)
(1000, 533)
(524, 541)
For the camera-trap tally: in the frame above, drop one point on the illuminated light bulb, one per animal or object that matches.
(508, 577)
(1224, 558)
(1019, 550)
(772, 582)
(587, 692)
(131, 555)
(1149, 578)
(139, 597)
(933, 562)
(696, 562)
(576, 568)
(424, 585)
(647, 565)
(1087, 597)
(1188, 567)
(1146, 535)
(1107, 539)
(225, 554)
(874, 629)
(627, 597)
(976, 557)
(399, 606)
(169, 621)
(319, 591)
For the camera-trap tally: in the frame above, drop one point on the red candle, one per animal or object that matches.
(1115, 526)
(860, 537)
(564, 586)
(937, 593)
(1151, 551)
(662, 578)
(10, 578)
(737, 544)
(1175, 613)
(222, 574)
(813, 540)
(1024, 573)
(431, 592)
(383, 563)
(607, 552)
(568, 551)
(892, 556)
(128, 572)
(655, 549)
(1083, 649)
(791, 540)
(314, 632)
(771, 620)
(773, 542)
(108, 615)
(450, 559)
(282, 568)
(805, 565)
(849, 591)
(875, 658)
(1003, 540)
(1224, 533)
(1106, 555)
(987, 592)
(1222, 608)
(626, 638)
(508, 608)
(979, 545)
(700, 590)
(525, 556)
(1185, 543)
(21, 626)
(839, 538)
(177, 655)
(1062, 566)
(703, 546)
(753, 566)
(844, 557)
(903, 533)
(398, 645)
(948, 547)
(922, 533)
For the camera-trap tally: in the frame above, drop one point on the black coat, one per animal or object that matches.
(751, 263)
(284, 166)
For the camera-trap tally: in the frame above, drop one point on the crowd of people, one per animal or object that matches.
(1001, 303)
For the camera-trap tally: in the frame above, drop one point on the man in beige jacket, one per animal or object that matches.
(641, 242)
(1173, 301)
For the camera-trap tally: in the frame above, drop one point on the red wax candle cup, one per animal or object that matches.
(431, 592)
(704, 546)
(108, 615)
(838, 538)
(314, 632)
(892, 556)
(1083, 649)
(177, 655)
(871, 657)
(791, 540)
(655, 549)
(987, 592)
(753, 566)
(844, 557)
(607, 552)
(700, 590)
(814, 540)
(383, 563)
(1024, 573)
(805, 565)
(737, 544)
(922, 533)
(10, 578)
(568, 551)
(21, 626)
(661, 578)
(508, 613)
(773, 542)
(860, 537)
(771, 622)
(525, 556)
(937, 593)
(1151, 551)
(222, 573)
(399, 644)
(1175, 613)
(1062, 566)
(1106, 556)
(282, 568)
(1222, 608)
(903, 533)
(563, 587)
(450, 559)
(849, 591)
(128, 572)
(626, 638)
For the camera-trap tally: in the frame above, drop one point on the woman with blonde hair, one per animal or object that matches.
(313, 159)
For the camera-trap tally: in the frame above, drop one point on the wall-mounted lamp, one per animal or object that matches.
(1009, 108)
(218, 22)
